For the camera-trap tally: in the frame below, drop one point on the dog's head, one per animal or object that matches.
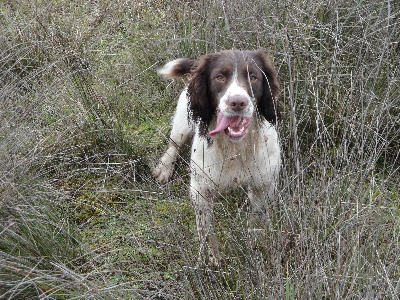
(235, 87)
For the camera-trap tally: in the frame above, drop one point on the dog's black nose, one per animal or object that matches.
(237, 103)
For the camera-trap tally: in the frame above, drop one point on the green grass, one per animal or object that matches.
(84, 117)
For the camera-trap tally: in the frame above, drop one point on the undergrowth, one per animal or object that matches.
(84, 117)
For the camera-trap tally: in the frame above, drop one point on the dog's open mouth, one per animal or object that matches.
(235, 127)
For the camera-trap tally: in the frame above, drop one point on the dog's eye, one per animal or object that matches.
(253, 78)
(220, 78)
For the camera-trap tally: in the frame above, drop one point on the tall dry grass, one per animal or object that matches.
(84, 116)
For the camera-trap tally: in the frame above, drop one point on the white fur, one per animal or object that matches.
(253, 162)
(182, 130)
(166, 70)
(235, 90)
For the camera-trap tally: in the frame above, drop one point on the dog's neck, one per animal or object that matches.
(243, 149)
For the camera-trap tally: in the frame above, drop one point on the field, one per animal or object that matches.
(84, 117)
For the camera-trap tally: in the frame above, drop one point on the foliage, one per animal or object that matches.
(83, 118)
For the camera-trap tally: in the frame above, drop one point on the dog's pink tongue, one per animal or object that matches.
(222, 123)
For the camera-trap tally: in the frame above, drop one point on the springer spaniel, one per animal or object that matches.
(230, 106)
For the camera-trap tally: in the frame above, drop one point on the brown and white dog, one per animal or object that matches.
(230, 110)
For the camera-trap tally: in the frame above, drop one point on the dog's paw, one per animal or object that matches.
(163, 172)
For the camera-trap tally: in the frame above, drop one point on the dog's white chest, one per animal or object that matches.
(244, 163)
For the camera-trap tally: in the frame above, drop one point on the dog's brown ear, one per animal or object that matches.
(201, 107)
(268, 104)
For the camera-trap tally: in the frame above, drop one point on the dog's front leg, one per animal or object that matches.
(182, 131)
(203, 204)
(259, 198)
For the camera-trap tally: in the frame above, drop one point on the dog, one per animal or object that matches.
(229, 109)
